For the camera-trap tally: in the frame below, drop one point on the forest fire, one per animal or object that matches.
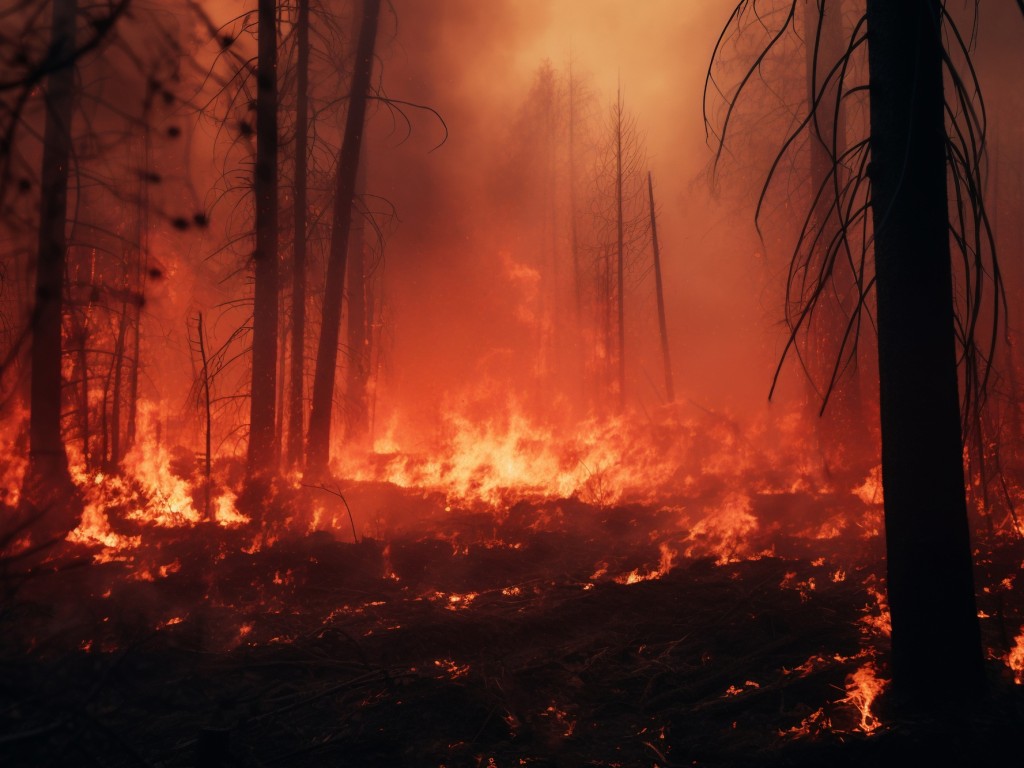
(406, 384)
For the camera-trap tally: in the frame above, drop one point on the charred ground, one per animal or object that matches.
(550, 633)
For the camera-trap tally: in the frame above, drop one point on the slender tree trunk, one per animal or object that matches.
(298, 348)
(620, 279)
(263, 450)
(48, 469)
(208, 417)
(115, 403)
(670, 391)
(318, 440)
(936, 650)
(356, 416)
(141, 270)
(573, 203)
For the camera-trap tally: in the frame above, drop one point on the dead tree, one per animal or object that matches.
(47, 477)
(894, 207)
(666, 358)
(357, 420)
(318, 438)
(297, 371)
(263, 439)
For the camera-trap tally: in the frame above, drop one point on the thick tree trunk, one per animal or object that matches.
(318, 440)
(263, 452)
(47, 477)
(936, 650)
(297, 367)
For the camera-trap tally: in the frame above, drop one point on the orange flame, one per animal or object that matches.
(862, 688)
(1015, 658)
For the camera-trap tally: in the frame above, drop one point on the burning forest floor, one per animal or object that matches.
(550, 633)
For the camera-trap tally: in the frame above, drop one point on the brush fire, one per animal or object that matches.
(550, 384)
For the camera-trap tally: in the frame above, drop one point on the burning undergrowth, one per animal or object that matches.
(378, 623)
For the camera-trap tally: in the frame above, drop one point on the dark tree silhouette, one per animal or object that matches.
(263, 439)
(298, 343)
(47, 477)
(357, 417)
(318, 439)
(888, 195)
(930, 577)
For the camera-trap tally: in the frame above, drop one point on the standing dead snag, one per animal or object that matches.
(930, 577)
(666, 358)
(263, 439)
(298, 343)
(318, 439)
(894, 205)
(47, 478)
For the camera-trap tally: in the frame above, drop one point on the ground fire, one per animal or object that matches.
(511, 384)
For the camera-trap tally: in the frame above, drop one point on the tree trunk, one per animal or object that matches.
(356, 414)
(115, 404)
(936, 650)
(263, 451)
(319, 438)
(207, 418)
(47, 475)
(141, 272)
(298, 369)
(620, 278)
(670, 391)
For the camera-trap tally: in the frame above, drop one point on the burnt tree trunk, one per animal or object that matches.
(297, 363)
(936, 649)
(318, 440)
(47, 475)
(263, 453)
(357, 419)
(620, 264)
(666, 358)
(141, 273)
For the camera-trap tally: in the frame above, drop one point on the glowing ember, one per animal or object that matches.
(804, 587)
(451, 668)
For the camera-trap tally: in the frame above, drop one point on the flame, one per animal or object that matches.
(169, 497)
(14, 461)
(510, 455)
(804, 588)
(870, 491)
(637, 574)
(879, 622)
(726, 532)
(94, 529)
(1015, 658)
(862, 688)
